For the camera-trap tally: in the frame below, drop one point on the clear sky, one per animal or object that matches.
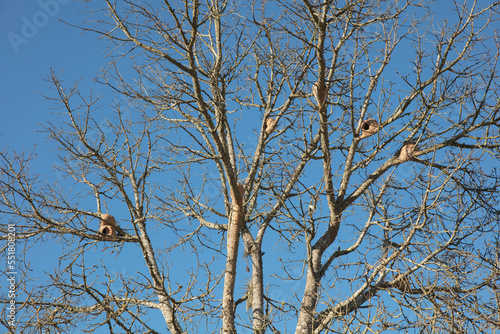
(34, 40)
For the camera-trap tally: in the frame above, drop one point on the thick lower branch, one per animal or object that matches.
(165, 302)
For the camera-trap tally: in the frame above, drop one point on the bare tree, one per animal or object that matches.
(349, 147)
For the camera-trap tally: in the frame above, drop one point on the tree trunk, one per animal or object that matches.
(258, 322)
(306, 315)
(233, 236)
(166, 307)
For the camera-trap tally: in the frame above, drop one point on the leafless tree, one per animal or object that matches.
(349, 147)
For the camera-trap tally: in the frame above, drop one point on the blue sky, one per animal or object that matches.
(28, 55)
